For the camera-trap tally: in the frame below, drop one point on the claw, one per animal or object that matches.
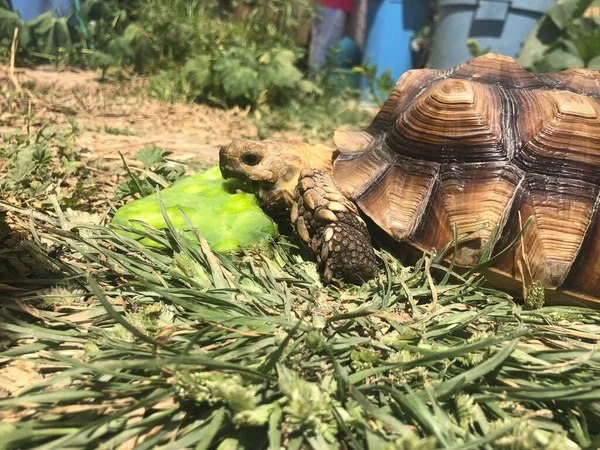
(336, 207)
(324, 252)
(307, 183)
(302, 230)
(325, 215)
(328, 235)
(311, 198)
(327, 275)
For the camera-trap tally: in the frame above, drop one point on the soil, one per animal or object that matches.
(120, 118)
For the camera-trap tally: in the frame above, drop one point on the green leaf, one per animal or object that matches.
(542, 36)
(594, 63)
(560, 60)
(198, 71)
(152, 156)
(210, 431)
(101, 60)
(238, 73)
(275, 427)
(586, 38)
(10, 20)
(96, 10)
(281, 71)
(563, 12)
(42, 24)
(139, 45)
(51, 397)
(239, 81)
(309, 87)
(385, 83)
(50, 34)
(548, 33)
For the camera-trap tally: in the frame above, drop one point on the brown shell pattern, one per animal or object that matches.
(487, 143)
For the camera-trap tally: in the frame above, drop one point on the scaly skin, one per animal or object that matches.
(298, 176)
(331, 225)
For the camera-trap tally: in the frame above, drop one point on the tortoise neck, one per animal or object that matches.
(320, 157)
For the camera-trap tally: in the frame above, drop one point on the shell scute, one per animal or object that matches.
(583, 81)
(397, 200)
(488, 143)
(454, 120)
(497, 69)
(408, 87)
(474, 197)
(584, 276)
(392, 190)
(558, 133)
(355, 172)
(562, 210)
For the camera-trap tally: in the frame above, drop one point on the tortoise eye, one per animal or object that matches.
(251, 158)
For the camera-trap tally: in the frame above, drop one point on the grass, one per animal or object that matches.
(188, 349)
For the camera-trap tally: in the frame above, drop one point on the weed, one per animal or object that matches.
(43, 163)
(119, 131)
(475, 49)
(566, 37)
(380, 86)
(157, 171)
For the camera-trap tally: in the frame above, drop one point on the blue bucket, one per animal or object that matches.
(390, 26)
(502, 25)
(348, 55)
(30, 9)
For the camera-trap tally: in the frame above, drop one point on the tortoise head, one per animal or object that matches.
(274, 165)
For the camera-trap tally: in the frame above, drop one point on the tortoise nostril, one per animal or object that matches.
(251, 158)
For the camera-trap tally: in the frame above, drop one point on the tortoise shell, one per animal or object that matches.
(487, 143)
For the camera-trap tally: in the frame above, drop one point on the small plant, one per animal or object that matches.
(475, 49)
(567, 37)
(238, 76)
(44, 38)
(119, 131)
(156, 171)
(380, 86)
(421, 43)
(43, 163)
(10, 20)
(205, 56)
(313, 116)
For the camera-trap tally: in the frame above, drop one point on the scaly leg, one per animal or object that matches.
(331, 225)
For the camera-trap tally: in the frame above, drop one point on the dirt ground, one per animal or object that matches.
(118, 118)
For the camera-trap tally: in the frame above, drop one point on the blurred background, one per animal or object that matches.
(290, 55)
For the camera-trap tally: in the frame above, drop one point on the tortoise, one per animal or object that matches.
(478, 148)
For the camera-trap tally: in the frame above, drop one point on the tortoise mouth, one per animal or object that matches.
(227, 171)
(230, 172)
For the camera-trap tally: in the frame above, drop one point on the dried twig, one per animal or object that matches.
(13, 54)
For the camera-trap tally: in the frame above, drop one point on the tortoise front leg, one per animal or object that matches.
(331, 225)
